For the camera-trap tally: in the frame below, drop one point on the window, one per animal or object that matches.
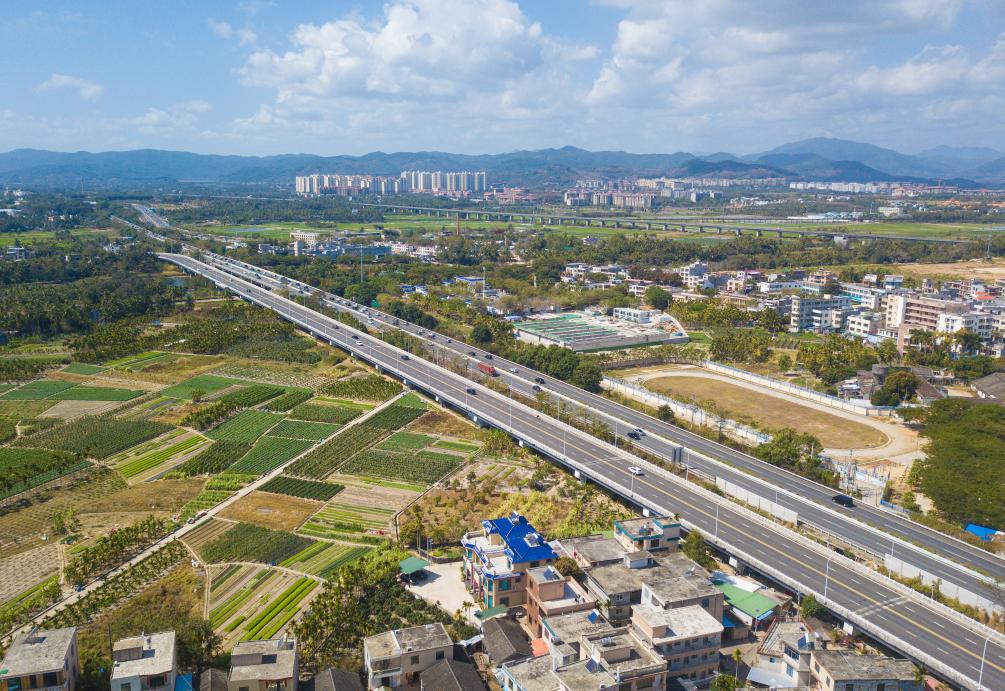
(439, 656)
(52, 679)
(33, 682)
(655, 544)
(704, 602)
(415, 660)
(157, 681)
(14, 684)
(269, 659)
(881, 687)
(126, 686)
(243, 688)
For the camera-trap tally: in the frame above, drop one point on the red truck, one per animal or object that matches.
(487, 369)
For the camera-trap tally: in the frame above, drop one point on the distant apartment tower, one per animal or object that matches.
(42, 660)
(437, 182)
(348, 185)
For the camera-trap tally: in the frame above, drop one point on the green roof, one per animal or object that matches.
(752, 604)
(412, 565)
(491, 612)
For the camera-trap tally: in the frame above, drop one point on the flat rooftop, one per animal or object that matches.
(45, 651)
(274, 659)
(140, 656)
(595, 549)
(682, 622)
(846, 665)
(584, 332)
(533, 674)
(791, 632)
(414, 638)
(569, 627)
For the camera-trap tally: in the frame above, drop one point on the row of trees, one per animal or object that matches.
(114, 548)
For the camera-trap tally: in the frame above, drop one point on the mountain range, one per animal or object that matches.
(810, 159)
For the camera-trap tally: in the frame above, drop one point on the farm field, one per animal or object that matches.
(245, 427)
(217, 458)
(206, 532)
(368, 387)
(268, 510)
(989, 271)
(160, 459)
(769, 412)
(360, 513)
(95, 436)
(247, 542)
(20, 575)
(37, 390)
(206, 383)
(254, 601)
(83, 369)
(324, 412)
(206, 499)
(323, 558)
(269, 453)
(23, 469)
(420, 467)
(298, 487)
(301, 429)
(60, 390)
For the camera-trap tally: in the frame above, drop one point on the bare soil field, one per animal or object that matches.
(27, 570)
(70, 410)
(276, 511)
(162, 496)
(207, 532)
(440, 422)
(769, 412)
(22, 529)
(977, 268)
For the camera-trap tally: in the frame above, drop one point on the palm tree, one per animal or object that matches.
(919, 675)
(737, 658)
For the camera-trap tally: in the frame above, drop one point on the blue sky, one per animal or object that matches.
(261, 77)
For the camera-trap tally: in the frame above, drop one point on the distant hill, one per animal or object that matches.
(817, 159)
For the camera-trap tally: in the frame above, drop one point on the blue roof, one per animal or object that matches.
(523, 542)
(981, 531)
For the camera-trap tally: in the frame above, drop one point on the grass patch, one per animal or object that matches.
(83, 369)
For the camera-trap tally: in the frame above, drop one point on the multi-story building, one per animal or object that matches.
(688, 638)
(864, 324)
(497, 558)
(636, 316)
(438, 182)
(818, 313)
(846, 670)
(784, 656)
(397, 658)
(650, 534)
(46, 660)
(348, 185)
(144, 663)
(271, 665)
(305, 237)
(550, 594)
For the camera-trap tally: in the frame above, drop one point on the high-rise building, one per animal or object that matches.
(451, 183)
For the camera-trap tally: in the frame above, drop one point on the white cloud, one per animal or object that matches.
(244, 36)
(85, 89)
(181, 117)
(422, 63)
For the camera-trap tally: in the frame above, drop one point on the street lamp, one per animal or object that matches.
(717, 520)
(980, 677)
(827, 573)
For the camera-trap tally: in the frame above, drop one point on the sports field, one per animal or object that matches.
(769, 412)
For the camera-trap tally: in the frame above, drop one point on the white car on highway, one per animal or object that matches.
(635, 470)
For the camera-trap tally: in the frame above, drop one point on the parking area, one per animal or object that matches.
(444, 587)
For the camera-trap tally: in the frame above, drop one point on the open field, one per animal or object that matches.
(278, 512)
(31, 237)
(248, 542)
(71, 410)
(163, 496)
(159, 459)
(359, 513)
(83, 369)
(769, 412)
(447, 424)
(989, 271)
(255, 602)
(205, 383)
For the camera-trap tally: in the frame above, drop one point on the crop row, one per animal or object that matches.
(320, 412)
(247, 542)
(324, 558)
(405, 441)
(289, 401)
(270, 620)
(97, 437)
(246, 426)
(226, 609)
(22, 469)
(217, 458)
(395, 416)
(269, 453)
(206, 499)
(248, 396)
(333, 453)
(371, 387)
(305, 489)
(152, 459)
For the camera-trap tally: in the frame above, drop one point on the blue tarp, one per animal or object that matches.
(981, 531)
(183, 682)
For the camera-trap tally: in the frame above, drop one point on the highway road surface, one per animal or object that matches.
(946, 643)
(875, 530)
